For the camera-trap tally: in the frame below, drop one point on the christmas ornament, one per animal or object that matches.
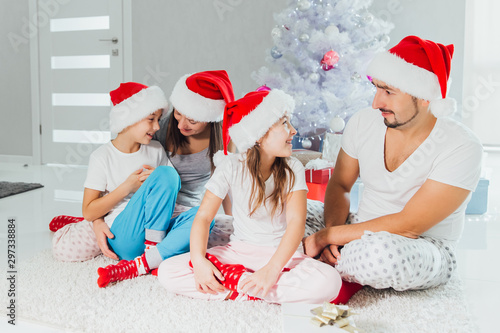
(331, 30)
(263, 88)
(304, 38)
(329, 60)
(368, 18)
(385, 39)
(306, 143)
(355, 77)
(276, 32)
(303, 5)
(275, 53)
(314, 77)
(337, 124)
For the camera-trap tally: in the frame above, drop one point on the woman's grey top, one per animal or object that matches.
(194, 170)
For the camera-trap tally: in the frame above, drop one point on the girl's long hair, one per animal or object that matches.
(284, 180)
(176, 140)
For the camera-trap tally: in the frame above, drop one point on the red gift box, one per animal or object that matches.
(319, 176)
(316, 191)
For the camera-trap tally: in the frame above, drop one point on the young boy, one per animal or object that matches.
(130, 182)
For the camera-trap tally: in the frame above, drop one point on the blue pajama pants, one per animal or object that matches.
(151, 208)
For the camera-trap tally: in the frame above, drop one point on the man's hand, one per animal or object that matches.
(314, 244)
(102, 233)
(330, 255)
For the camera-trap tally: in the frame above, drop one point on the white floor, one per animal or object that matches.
(62, 193)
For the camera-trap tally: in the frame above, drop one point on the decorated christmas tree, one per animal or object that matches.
(321, 49)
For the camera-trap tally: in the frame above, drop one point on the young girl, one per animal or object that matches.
(264, 258)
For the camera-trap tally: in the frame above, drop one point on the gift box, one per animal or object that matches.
(478, 203)
(316, 191)
(320, 176)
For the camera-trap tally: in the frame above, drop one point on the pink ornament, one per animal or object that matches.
(263, 88)
(330, 60)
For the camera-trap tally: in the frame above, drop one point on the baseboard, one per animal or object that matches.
(16, 159)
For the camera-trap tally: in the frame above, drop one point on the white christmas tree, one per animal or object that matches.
(321, 49)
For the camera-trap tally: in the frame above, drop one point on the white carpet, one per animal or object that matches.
(66, 295)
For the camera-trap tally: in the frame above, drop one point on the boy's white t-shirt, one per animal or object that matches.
(451, 154)
(109, 168)
(231, 176)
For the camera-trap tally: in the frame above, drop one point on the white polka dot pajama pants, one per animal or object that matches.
(385, 260)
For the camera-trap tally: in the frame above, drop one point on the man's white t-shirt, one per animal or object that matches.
(109, 167)
(231, 176)
(451, 154)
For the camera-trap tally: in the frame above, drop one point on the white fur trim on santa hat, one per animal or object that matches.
(137, 107)
(407, 77)
(411, 79)
(443, 107)
(194, 105)
(255, 125)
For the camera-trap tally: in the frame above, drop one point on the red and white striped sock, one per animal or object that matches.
(60, 221)
(124, 270)
(149, 244)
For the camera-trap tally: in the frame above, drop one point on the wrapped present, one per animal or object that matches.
(318, 171)
(319, 176)
(316, 191)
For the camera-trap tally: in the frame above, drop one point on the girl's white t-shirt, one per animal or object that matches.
(451, 154)
(109, 168)
(231, 177)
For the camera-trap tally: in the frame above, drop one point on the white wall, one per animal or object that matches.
(177, 38)
(172, 38)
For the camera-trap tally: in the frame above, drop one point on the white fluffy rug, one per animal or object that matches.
(66, 295)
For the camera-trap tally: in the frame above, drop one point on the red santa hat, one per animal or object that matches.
(420, 68)
(133, 102)
(248, 119)
(203, 96)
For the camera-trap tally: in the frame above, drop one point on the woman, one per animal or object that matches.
(192, 133)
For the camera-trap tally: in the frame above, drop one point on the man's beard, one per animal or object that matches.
(396, 123)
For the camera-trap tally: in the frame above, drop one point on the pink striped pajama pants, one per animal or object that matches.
(308, 281)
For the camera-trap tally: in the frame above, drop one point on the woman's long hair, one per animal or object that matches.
(284, 180)
(176, 140)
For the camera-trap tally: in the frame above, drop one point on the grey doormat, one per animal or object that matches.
(10, 188)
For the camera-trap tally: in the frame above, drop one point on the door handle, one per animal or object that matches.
(113, 40)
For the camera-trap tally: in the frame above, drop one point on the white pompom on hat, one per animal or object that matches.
(248, 119)
(202, 96)
(133, 102)
(420, 68)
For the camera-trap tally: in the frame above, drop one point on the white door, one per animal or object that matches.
(80, 61)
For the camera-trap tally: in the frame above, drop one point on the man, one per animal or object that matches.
(418, 168)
